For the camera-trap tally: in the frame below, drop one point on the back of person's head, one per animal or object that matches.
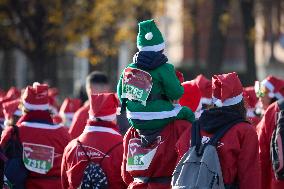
(97, 82)
(227, 91)
(36, 98)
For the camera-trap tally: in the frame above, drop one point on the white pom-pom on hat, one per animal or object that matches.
(35, 84)
(149, 36)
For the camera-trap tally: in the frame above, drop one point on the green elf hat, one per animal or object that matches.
(149, 37)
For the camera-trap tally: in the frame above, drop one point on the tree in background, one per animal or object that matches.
(44, 29)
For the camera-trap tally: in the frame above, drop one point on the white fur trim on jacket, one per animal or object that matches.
(278, 95)
(154, 115)
(229, 101)
(268, 85)
(111, 117)
(100, 129)
(207, 101)
(155, 48)
(35, 106)
(40, 125)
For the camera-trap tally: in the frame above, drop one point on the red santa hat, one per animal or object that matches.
(205, 86)
(250, 97)
(69, 107)
(103, 106)
(180, 76)
(36, 97)
(191, 96)
(275, 86)
(227, 89)
(11, 108)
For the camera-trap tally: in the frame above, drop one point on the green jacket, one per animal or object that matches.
(165, 82)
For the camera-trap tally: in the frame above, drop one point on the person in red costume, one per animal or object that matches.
(251, 101)
(99, 136)
(96, 82)
(43, 142)
(150, 156)
(265, 129)
(268, 91)
(238, 148)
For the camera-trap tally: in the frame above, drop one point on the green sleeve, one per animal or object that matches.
(171, 84)
(119, 87)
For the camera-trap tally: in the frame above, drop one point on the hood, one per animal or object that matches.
(213, 119)
(149, 60)
(148, 136)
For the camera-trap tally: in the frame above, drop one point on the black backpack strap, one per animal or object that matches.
(195, 135)
(112, 148)
(281, 104)
(88, 157)
(85, 153)
(221, 132)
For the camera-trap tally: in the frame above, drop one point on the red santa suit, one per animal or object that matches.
(43, 142)
(238, 148)
(265, 129)
(156, 161)
(97, 139)
(79, 121)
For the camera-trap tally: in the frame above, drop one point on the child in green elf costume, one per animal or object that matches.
(148, 87)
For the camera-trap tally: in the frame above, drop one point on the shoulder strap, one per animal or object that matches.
(222, 131)
(85, 153)
(281, 104)
(112, 148)
(195, 134)
(88, 157)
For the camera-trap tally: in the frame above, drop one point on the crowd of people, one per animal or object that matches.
(136, 137)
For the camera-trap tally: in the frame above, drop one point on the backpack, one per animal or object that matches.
(94, 176)
(277, 144)
(14, 163)
(200, 168)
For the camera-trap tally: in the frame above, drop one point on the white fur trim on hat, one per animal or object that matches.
(40, 125)
(67, 115)
(100, 129)
(155, 48)
(268, 85)
(111, 117)
(229, 101)
(35, 106)
(154, 115)
(207, 101)
(18, 113)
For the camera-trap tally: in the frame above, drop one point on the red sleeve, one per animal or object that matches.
(5, 136)
(78, 123)
(264, 131)
(64, 178)
(127, 178)
(248, 160)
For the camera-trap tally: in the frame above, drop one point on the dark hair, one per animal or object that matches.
(240, 108)
(97, 77)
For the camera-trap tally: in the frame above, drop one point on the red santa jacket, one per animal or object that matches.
(43, 146)
(156, 161)
(79, 121)
(97, 140)
(265, 129)
(238, 155)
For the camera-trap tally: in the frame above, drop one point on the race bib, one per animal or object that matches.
(38, 158)
(138, 157)
(136, 85)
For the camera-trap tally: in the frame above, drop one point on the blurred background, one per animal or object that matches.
(61, 41)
